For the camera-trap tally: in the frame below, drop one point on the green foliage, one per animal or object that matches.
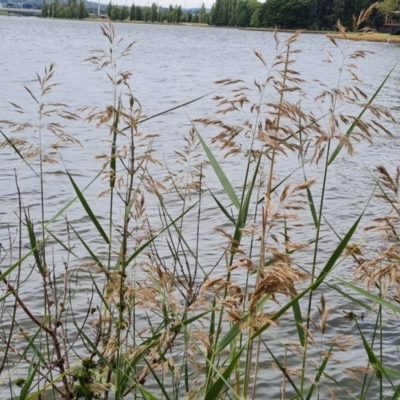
(233, 12)
(294, 14)
(20, 382)
(290, 14)
(389, 7)
(45, 9)
(70, 11)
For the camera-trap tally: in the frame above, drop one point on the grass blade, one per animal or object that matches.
(339, 250)
(321, 370)
(34, 244)
(353, 125)
(18, 152)
(299, 322)
(172, 109)
(219, 172)
(215, 390)
(284, 372)
(27, 386)
(88, 209)
(312, 207)
(51, 220)
(222, 208)
(369, 295)
(244, 209)
(94, 257)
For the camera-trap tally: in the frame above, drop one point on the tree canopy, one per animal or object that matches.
(293, 14)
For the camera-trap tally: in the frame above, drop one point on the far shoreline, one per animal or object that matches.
(354, 36)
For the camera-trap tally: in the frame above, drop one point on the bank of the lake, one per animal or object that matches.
(355, 36)
(367, 37)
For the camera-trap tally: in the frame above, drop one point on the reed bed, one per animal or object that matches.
(162, 323)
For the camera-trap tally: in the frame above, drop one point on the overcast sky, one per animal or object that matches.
(166, 3)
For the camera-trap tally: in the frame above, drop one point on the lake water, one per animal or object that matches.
(172, 65)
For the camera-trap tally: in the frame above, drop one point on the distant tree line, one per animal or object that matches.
(389, 8)
(154, 13)
(291, 14)
(234, 12)
(71, 10)
(284, 14)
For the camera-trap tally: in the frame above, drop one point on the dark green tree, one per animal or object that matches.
(154, 12)
(178, 14)
(123, 13)
(255, 18)
(202, 13)
(45, 9)
(82, 12)
(114, 16)
(146, 15)
(132, 13)
(290, 14)
(139, 14)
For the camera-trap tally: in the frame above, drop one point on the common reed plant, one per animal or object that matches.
(203, 287)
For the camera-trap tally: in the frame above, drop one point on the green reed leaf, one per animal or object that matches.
(113, 161)
(159, 383)
(222, 208)
(60, 242)
(369, 296)
(273, 189)
(88, 249)
(339, 250)
(94, 348)
(235, 329)
(244, 209)
(18, 152)
(88, 209)
(32, 345)
(312, 207)
(219, 172)
(100, 293)
(324, 273)
(19, 262)
(229, 337)
(51, 220)
(354, 124)
(147, 395)
(5, 296)
(34, 244)
(351, 298)
(284, 372)
(299, 322)
(321, 370)
(372, 358)
(32, 374)
(171, 109)
(51, 384)
(173, 221)
(215, 390)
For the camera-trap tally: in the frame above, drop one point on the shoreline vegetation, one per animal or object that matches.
(354, 36)
(367, 37)
(309, 15)
(172, 314)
